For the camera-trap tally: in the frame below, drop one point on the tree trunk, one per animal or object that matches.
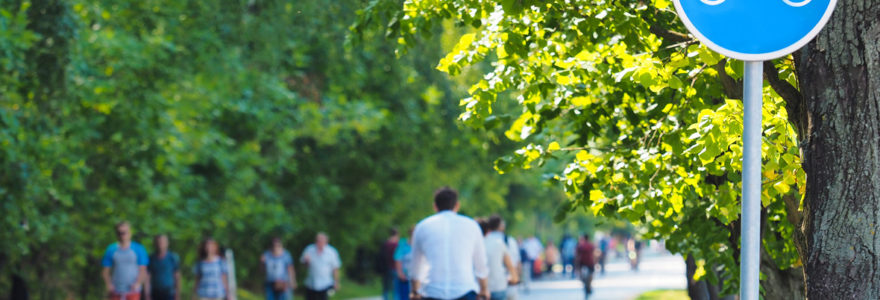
(780, 284)
(703, 289)
(697, 290)
(840, 82)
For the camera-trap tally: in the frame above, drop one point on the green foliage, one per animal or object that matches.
(240, 120)
(637, 111)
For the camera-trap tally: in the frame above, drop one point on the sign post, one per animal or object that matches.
(753, 31)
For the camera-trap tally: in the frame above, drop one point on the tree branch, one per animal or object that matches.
(794, 101)
(668, 35)
(733, 88)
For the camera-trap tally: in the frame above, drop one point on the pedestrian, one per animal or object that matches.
(551, 256)
(124, 265)
(280, 273)
(402, 267)
(585, 262)
(516, 257)
(501, 268)
(449, 254)
(533, 248)
(323, 263)
(636, 253)
(211, 281)
(567, 249)
(386, 264)
(604, 244)
(525, 266)
(164, 269)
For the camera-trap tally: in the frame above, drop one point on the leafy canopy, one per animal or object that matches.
(646, 120)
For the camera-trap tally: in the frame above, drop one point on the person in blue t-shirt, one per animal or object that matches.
(164, 269)
(402, 262)
(124, 265)
(211, 273)
(280, 274)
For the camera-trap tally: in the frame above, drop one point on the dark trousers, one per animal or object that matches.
(388, 285)
(469, 296)
(162, 294)
(316, 295)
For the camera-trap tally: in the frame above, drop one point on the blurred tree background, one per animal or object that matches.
(240, 120)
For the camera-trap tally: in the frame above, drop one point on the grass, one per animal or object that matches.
(349, 290)
(664, 295)
(354, 290)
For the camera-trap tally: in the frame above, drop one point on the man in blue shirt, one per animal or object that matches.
(164, 269)
(125, 266)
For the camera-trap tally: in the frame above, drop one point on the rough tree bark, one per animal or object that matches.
(703, 289)
(697, 290)
(839, 74)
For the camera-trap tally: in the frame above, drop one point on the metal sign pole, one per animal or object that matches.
(751, 181)
(764, 30)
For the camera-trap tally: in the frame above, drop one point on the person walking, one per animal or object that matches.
(164, 271)
(211, 281)
(280, 273)
(402, 267)
(124, 266)
(567, 248)
(604, 244)
(501, 268)
(533, 248)
(516, 257)
(585, 262)
(386, 264)
(636, 253)
(323, 263)
(526, 263)
(551, 257)
(449, 254)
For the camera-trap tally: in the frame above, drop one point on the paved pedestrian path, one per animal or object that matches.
(656, 271)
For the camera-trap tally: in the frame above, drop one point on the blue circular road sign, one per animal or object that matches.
(755, 30)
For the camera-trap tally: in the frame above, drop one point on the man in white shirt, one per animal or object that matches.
(323, 263)
(449, 257)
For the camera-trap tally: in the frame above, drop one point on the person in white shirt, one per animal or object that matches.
(449, 257)
(323, 263)
(501, 267)
(533, 248)
(513, 251)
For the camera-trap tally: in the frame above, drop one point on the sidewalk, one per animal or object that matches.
(656, 271)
